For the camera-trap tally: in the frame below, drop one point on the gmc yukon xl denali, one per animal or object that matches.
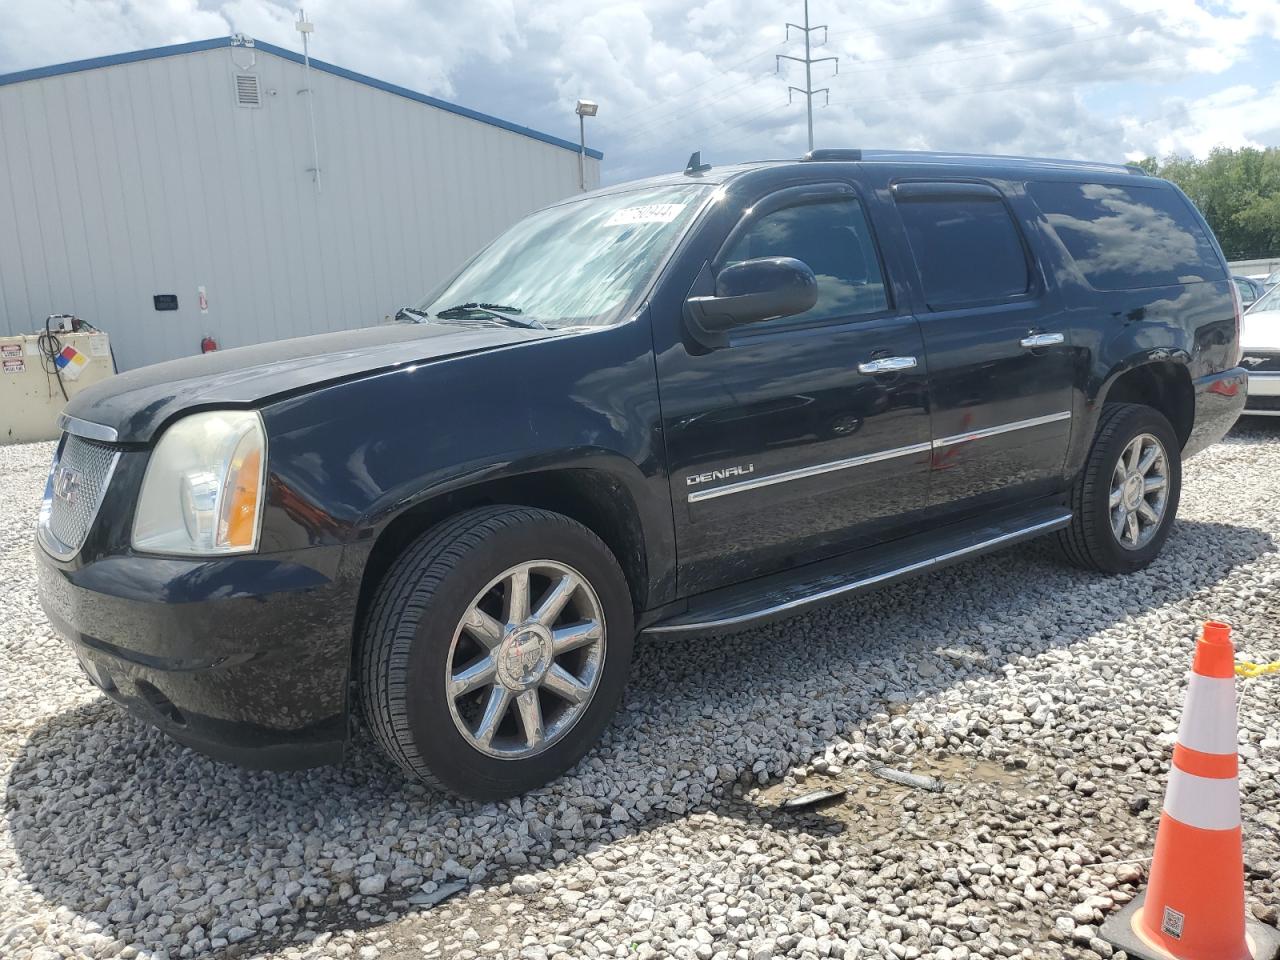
(673, 407)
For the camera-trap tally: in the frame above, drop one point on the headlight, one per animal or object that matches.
(203, 491)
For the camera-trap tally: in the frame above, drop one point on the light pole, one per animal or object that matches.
(584, 109)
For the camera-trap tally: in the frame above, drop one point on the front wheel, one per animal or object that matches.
(496, 651)
(1125, 499)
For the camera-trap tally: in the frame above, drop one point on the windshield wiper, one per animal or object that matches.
(413, 314)
(496, 311)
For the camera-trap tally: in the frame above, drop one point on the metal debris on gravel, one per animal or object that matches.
(1050, 695)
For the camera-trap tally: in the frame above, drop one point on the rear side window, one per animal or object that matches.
(833, 238)
(1125, 238)
(967, 249)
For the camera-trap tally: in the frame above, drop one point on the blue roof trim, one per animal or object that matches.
(177, 49)
(75, 66)
(424, 98)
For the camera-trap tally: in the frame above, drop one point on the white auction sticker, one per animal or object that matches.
(649, 213)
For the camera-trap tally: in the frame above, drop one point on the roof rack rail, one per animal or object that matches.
(833, 153)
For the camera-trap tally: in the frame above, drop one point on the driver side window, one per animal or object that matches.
(833, 238)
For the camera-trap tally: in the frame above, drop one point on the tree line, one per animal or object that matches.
(1238, 191)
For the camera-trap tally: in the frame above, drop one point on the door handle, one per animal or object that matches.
(887, 365)
(1041, 340)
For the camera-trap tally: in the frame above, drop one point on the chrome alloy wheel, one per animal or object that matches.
(526, 660)
(1139, 492)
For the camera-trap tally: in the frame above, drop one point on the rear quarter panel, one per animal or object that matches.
(1113, 331)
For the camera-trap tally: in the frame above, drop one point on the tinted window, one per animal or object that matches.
(967, 250)
(834, 240)
(1123, 238)
(1247, 293)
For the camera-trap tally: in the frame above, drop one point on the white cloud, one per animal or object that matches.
(672, 76)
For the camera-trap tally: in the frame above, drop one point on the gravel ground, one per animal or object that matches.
(1045, 698)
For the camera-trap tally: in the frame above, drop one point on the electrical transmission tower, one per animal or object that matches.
(808, 62)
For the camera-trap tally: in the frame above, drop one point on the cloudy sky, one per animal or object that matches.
(1075, 78)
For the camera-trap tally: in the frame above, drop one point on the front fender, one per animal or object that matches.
(346, 460)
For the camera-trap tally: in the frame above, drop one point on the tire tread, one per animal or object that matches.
(402, 599)
(1081, 541)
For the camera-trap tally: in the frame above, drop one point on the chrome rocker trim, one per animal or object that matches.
(830, 467)
(1002, 428)
(802, 472)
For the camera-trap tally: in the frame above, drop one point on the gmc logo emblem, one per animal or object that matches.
(65, 484)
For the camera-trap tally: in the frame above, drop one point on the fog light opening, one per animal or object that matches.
(160, 703)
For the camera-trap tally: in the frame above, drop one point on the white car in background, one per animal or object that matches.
(1260, 341)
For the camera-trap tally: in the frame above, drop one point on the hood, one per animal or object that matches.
(1260, 330)
(138, 403)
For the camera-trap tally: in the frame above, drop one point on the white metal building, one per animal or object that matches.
(188, 172)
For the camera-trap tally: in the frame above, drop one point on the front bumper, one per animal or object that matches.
(1219, 401)
(245, 659)
(1264, 395)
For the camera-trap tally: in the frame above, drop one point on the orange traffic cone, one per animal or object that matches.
(1194, 905)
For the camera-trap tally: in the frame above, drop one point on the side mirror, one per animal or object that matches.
(749, 292)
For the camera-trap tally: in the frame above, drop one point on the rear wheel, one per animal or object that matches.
(496, 650)
(1125, 499)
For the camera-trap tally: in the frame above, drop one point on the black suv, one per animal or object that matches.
(671, 407)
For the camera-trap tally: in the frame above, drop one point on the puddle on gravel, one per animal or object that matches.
(870, 798)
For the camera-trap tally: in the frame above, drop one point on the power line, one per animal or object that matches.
(1006, 85)
(808, 62)
(875, 31)
(1031, 36)
(1074, 41)
(720, 71)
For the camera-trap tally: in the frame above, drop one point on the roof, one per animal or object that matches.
(967, 163)
(178, 49)
(991, 159)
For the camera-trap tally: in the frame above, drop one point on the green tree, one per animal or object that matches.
(1238, 191)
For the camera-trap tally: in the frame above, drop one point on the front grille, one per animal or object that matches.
(1262, 402)
(1261, 361)
(80, 478)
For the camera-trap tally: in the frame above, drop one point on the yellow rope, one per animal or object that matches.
(1247, 668)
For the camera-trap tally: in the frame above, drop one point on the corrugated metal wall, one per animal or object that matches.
(126, 181)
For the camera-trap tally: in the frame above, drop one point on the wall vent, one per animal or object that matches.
(247, 92)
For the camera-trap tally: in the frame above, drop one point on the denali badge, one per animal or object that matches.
(65, 484)
(738, 471)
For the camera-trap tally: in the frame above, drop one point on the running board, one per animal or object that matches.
(788, 593)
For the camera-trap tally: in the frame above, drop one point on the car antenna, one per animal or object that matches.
(696, 167)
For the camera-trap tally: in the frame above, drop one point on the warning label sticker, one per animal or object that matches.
(71, 362)
(649, 213)
(14, 366)
(1171, 926)
(98, 346)
(10, 350)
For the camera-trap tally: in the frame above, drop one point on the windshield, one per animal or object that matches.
(1273, 279)
(576, 264)
(1269, 302)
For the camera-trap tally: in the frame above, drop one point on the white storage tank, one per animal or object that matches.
(40, 372)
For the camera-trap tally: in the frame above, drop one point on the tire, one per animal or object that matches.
(1091, 541)
(415, 642)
